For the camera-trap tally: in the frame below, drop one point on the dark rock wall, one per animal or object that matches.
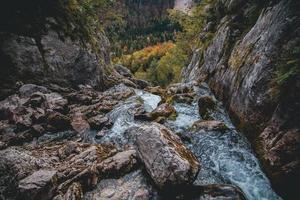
(240, 65)
(50, 42)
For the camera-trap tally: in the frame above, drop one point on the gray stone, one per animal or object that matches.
(166, 159)
(38, 185)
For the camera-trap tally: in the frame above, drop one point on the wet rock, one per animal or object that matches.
(205, 104)
(39, 185)
(58, 121)
(121, 163)
(99, 121)
(209, 125)
(132, 186)
(102, 133)
(170, 163)
(163, 110)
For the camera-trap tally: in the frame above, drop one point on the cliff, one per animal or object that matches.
(52, 42)
(248, 65)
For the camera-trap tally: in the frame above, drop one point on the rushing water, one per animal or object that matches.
(123, 117)
(226, 157)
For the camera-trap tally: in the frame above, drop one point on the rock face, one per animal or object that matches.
(241, 64)
(166, 159)
(47, 48)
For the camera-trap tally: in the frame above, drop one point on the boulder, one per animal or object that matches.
(141, 84)
(54, 101)
(166, 159)
(79, 124)
(15, 164)
(29, 89)
(209, 125)
(39, 185)
(205, 104)
(180, 88)
(121, 163)
(59, 121)
(183, 98)
(99, 121)
(131, 186)
(163, 110)
(123, 71)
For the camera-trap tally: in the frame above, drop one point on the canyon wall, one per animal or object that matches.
(243, 65)
(51, 42)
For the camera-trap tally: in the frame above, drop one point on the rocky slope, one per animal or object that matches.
(241, 66)
(52, 42)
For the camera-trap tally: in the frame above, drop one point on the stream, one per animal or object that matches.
(225, 157)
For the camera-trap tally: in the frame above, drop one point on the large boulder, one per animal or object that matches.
(15, 164)
(206, 104)
(163, 110)
(166, 159)
(39, 185)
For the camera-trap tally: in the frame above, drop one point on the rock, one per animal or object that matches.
(206, 192)
(180, 88)
(123, 71)
(132, 186)
(239, 65)
(79, 124)
(210, 125)
(163, 110)
(59, 121)
(3, 145)
(99, 121)
(15, 164)
(121, 163)
(166, 159)
(156, 90)
(140, 83)
(38, 129)
(74, 192)
(54, 101)
(183, 98)
(29, 89)
(205, 104)
(39, 185)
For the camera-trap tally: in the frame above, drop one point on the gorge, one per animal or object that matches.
(75, 125)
